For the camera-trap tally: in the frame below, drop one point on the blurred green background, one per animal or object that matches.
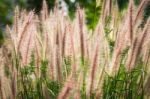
(91, 9)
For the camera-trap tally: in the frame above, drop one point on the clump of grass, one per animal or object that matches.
(49, 56)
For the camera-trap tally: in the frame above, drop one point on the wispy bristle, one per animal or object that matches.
(44, 10)
(16, 20)
(73, 53)
(80, 17)
(110, 7)
(136, 48)
(130, 11)
(139, 11)
(37, 58)
(14, 86)
(93, 70)
(58, 58)
(26, 25)
(2, 95)
(64, 42)
(67, 88)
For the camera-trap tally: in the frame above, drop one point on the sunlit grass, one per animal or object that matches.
(49, 56)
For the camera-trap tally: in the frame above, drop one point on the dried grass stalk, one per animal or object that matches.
(58, 57)
(130, 11)
(66, 89)
(136, 48)
(24, 29)
(93, 70)
(80, 17)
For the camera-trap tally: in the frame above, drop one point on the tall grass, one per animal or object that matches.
(48, 56)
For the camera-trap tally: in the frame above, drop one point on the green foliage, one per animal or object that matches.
(89, 6)
(92, 10)
(44, 65)
(1, 38)
(147, 11)
(5, 11)
(32, 87)
(67, 66)
(126, 85)
(92, 18)
(5, 16)
(84, 69)
(136, 2)
(122, 4)
(108, 30)
(53, 89)
(146, 14)
(71, 8)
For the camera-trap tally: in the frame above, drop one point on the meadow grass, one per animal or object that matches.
(49, 56)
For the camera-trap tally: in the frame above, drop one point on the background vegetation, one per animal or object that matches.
(93, 10)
